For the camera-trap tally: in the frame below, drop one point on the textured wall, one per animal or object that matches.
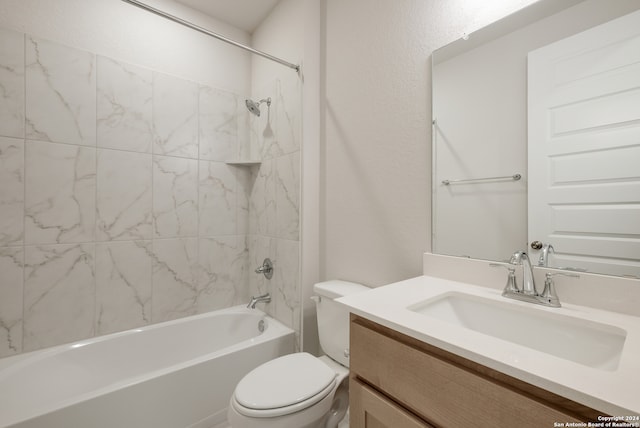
(376, 168)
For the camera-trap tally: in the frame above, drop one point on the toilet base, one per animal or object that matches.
(312, 417)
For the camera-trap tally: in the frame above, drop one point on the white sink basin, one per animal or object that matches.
(589, 343)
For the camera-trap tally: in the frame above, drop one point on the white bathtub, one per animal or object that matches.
(176, 374)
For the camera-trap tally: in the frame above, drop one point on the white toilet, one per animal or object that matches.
(300, 390)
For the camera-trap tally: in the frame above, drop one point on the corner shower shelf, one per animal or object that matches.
(243, 162)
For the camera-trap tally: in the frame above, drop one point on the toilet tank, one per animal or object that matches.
(333, 318)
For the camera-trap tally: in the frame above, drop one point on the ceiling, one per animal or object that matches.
(243, 14)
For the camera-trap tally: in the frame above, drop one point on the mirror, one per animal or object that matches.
(483, 178)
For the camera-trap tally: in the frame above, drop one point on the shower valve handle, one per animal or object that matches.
(266, 268)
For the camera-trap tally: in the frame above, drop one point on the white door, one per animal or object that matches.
(584, 148)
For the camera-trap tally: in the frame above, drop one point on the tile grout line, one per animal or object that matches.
(24, 190)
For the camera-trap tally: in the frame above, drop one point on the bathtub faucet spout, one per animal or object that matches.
(264, 298)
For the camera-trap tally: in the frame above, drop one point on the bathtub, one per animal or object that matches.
(175, 374)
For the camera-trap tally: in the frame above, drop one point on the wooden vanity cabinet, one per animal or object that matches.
(397, 381)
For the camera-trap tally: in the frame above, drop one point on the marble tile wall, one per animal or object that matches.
(117, 208)
(274, 204)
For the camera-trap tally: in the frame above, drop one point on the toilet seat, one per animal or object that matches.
(282, 386)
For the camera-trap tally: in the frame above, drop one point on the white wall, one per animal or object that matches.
(376, 165)
(310, 163)
(118, 30)
(281, 34)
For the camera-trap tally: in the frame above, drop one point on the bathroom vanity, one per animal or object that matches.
(398, 381)
(412, 365)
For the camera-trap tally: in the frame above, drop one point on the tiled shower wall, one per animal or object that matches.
(274, 203)
(117, 208)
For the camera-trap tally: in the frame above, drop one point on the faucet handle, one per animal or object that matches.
(512, 284)
(572, 275)
(266, 268)
(549, 295)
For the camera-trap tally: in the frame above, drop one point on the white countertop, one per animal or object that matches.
(612, 392)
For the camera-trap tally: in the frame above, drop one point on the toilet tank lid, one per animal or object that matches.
(337, 288)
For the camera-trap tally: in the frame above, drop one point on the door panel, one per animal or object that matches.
(584, 147)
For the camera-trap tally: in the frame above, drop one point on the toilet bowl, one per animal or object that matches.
(300, 390)
(301, 394)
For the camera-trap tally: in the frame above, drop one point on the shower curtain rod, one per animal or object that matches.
(210, 33)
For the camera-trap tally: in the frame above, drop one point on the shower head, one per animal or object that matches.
(254, 107)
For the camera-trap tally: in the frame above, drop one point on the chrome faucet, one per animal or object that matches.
(266, 298)
(528, 283)
(547, 249)
(528, 292)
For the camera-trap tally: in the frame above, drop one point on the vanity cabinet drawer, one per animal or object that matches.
(441, 391)
(369, 409)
